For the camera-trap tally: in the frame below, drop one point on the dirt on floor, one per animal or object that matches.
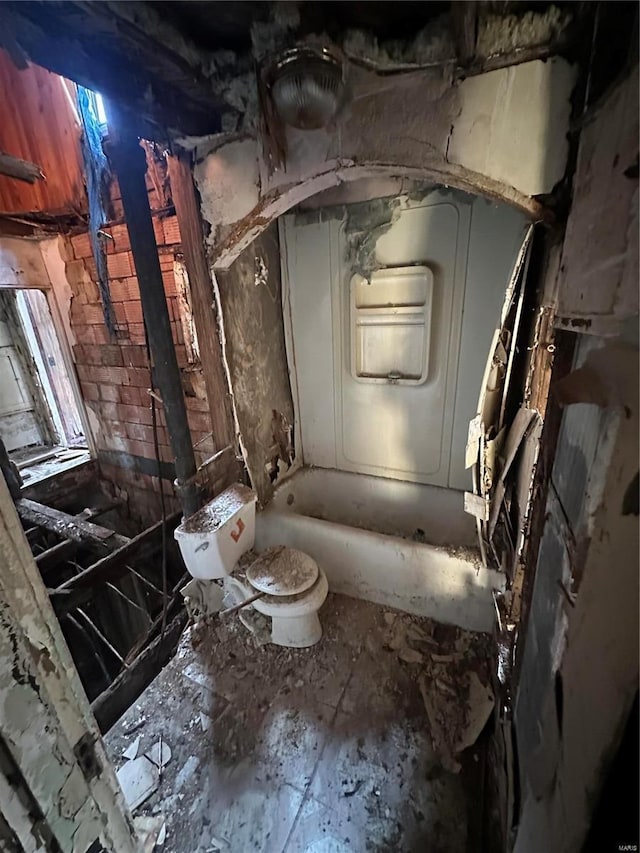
(366, 742)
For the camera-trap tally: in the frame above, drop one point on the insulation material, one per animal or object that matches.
(97, 174)
(502, 134)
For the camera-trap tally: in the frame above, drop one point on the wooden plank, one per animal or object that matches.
(111, 704)
(112, 566)
(69, 527)
(22, 170)
(129, 166)
(55, 555)
(202, 295)
(62, 489)
(38, 125)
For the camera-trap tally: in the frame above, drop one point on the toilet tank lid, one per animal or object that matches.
(219, 510)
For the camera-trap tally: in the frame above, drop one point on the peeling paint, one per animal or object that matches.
(501, 134)
(364, 225)
(44, 711)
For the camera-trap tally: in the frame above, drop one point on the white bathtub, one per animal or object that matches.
(362, 530)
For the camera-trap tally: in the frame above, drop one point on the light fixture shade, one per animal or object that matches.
(307, 87)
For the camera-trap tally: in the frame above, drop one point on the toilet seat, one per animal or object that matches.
(294, 617)
(283, 572)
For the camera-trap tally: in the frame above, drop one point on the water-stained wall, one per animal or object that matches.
(249, 295)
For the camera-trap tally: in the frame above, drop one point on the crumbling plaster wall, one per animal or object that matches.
(579, 667)
(598, 282)
(502, 133)
(249, 296)
(21, 263)
(46, 725)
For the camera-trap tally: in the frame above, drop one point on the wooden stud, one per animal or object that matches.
(69, 527)
(202, 296)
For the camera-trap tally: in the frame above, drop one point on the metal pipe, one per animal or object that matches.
(129, 163)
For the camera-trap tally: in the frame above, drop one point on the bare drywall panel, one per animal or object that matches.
(250, 300)
(509, 124)
(598, 281)
(502, 134)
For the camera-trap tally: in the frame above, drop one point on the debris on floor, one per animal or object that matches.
(203, 599)
(449, 663)
(159, 754)
(286, 750)
(151, 832)
(131, 751)
(138, 780)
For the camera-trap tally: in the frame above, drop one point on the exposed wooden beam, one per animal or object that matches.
(88, 44)
(10, 471)
(22, 170)
(110, 705)
(56, 555)
(190, 222)
(113, 565)
(33, 534)
(130, 167)
(97, 538)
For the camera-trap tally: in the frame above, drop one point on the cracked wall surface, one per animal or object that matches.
(502, 134)
(249, 296)
(44, 714)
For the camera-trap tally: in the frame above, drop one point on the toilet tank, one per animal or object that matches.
(213, 539)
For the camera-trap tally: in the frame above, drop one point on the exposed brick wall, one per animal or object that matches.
(115, 375)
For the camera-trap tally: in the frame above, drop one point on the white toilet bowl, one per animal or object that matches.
(294, 618)
(214, 539)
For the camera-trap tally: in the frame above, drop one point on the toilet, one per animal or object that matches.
(291, 584)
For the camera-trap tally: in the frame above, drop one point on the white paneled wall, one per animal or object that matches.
(408, 427)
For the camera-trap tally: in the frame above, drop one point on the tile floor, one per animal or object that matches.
(324, 750)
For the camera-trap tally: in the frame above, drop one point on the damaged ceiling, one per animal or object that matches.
(190, 67)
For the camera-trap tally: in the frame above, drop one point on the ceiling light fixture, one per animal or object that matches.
(307, 87)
